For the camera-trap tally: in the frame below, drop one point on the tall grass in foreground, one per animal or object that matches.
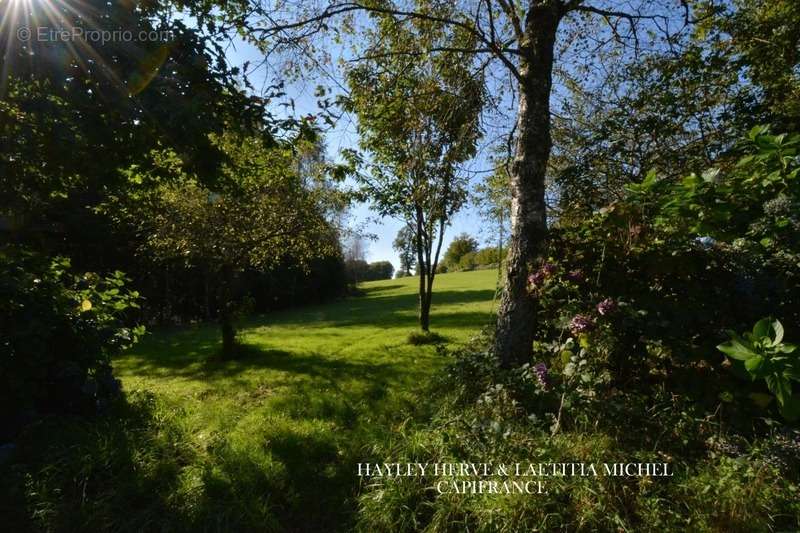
(722, 482)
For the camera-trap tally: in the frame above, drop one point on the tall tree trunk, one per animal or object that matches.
(426, 309)
(425, 312)
(500, 250)
(422, 267)
(516, 321)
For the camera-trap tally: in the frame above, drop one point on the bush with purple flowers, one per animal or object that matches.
(581, 324)
(538, 279)
(607, 306)
(540, 370)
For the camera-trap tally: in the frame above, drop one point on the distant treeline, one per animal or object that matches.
(359, 270)
(464, 254)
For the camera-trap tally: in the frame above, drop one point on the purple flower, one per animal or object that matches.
(576, 275)
(581, 324)
(607, 306)
(537, 279)
(540, 369)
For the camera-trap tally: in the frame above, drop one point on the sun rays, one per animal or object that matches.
(98, 39)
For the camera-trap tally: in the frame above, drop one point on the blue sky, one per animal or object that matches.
(577, 59)
(344, 136)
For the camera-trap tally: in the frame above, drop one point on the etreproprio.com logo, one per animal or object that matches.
(46, 34)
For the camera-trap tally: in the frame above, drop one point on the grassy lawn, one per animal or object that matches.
(280, 430)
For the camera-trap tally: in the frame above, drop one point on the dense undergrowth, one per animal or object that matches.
(725, 478)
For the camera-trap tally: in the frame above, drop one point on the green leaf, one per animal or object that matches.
(710, 175)
(583, 340)
(792, 371)
(777, 328)
(754, 365)
(780, 387)
(736, 350)
(756, 131)
(762, 328)
(649, 179)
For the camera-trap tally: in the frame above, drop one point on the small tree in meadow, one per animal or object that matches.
(264, 215)
(418, 119)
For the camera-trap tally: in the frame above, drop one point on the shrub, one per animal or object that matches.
(467, 261)
(461, 244)
(488, 256)
(762, 354)
(59, 333)
(720, 482)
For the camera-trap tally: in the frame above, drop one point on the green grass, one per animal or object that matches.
(278, 432)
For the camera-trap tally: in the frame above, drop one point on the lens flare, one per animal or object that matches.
(49, 37)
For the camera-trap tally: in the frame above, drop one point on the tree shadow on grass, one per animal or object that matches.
(139, 469)
(116, 472)
(203, 363)
(381, 288)
(383, 310)
(191, 352)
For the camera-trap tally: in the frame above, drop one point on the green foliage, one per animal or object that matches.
(763, 355)
(460, 245)
(60, 330)
(677, 109)
(359, 271)
(493, 199)
(489, 256)
(379, 270)
(259, 217)
(468, 261)
(110, 104)
(760, 39)
(90, 135)
(490, 415)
